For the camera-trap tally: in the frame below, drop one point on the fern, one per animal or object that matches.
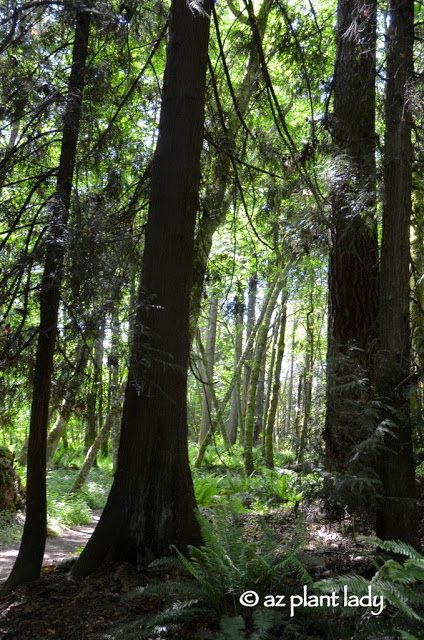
(234, 628)
(221, 570)
(400, 585)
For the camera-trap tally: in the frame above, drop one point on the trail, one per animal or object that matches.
(56, 546)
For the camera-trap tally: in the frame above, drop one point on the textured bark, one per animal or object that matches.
(397, 517)
(353, 263)
(152, 495)
(28, 563)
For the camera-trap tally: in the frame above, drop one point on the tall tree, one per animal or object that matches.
(152, 495)
(397, 516)
(28, 563)
(353, 261)
(207, 369)
(260, 347)
(234, 417)
(276, 384)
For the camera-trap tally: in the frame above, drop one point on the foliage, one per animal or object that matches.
(66, 510)
(400, 585)
(266, 489)
(10, 528)
(227, 565)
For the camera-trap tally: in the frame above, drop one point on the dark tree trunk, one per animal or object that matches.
(397, 517)
(353, 268)
(152, 496)
(28, 563)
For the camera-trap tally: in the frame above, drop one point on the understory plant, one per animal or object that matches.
(214, 576)
(401, 585)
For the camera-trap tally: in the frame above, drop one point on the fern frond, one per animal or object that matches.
(399, 547)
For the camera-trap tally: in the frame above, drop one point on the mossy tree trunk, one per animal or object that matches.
(235, 406)
(276, 385)
(261, 342)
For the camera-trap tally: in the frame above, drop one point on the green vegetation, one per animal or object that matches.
(211, 238)
(226, 566)
(63, 510)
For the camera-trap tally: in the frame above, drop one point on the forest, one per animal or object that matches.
(212, 319)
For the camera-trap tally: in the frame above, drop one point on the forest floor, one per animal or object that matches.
(57, 607)
(69, 543)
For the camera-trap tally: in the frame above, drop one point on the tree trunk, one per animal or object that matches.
(207, 369)
(152, 495)
(28, 563)
(94, 412)
(260, 401)
(236, 376)
(260, 347)
(269, 428)
(291, 379)
(307, 383)
(397, 516)
(114, 387)
(250, 323)
(59, 428)
(234, 417)
(91, 454)
(353, 263)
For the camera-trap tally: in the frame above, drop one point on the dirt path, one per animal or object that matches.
(56, 547)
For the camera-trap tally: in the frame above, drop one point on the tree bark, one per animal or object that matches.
(152, 495)
(353, 262)
(28, 563)
(397, 517)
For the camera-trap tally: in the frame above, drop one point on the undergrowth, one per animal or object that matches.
(213, 577)
(63, 510)
(10, 528)
(401, 586)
